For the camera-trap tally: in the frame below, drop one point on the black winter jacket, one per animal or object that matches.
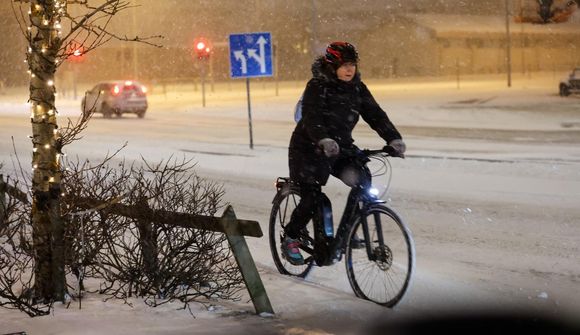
(331, 109)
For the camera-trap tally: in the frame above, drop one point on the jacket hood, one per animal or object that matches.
(324, 71)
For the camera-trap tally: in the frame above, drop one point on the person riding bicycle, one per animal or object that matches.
(322, 142)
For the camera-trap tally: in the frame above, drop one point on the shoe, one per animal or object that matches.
(357, 242)
(291, 251)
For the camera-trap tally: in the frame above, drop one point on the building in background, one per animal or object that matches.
(397, 38)
(441, 45)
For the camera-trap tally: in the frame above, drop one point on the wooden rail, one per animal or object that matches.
(184, 220)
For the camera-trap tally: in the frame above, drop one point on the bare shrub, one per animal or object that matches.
(118, 232)
(16, 254)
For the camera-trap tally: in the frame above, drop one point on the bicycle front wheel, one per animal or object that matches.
(380, 257)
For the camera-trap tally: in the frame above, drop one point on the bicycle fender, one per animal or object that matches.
(283, 190)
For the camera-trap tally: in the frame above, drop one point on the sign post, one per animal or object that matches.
(76, 55)
(250, 56)
(202, 48)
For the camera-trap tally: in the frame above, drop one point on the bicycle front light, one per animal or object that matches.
(373, 191)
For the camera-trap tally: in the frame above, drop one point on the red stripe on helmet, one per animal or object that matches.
(335, 53)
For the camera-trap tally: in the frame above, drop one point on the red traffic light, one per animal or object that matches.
(202, 48)
(76, 53)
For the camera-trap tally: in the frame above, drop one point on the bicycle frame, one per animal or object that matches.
(358, 202)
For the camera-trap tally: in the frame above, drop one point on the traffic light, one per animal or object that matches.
(202, 48)
(77, 53)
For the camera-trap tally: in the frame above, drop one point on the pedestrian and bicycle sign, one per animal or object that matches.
(251, 55)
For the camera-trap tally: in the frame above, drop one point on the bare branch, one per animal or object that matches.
(20, 18)
(24, 176)
(72, 131)
(98, 10)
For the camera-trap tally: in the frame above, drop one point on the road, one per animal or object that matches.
(492, 201)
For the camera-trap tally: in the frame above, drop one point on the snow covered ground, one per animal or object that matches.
(490, 189)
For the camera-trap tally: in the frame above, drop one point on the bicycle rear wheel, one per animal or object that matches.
(283, 206)
(380, 268)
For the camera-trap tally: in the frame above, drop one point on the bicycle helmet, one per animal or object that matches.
(338, 53)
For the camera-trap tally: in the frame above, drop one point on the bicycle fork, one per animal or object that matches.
(367, 235)
(377, 251)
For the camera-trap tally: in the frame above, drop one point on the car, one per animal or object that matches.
(571, 84)
(116, 98)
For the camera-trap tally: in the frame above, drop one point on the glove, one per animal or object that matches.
(398, 145)
(329, 146)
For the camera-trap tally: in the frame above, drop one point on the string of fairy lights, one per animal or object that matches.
(44, 20)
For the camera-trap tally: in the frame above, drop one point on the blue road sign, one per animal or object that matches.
(251, 55)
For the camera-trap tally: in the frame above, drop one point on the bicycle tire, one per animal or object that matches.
(282, 207)
(384, 281)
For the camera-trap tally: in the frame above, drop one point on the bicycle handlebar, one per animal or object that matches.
(387, 149)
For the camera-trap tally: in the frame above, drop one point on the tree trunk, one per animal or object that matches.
(44, 45)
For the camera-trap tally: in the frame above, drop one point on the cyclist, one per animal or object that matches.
(322, 142)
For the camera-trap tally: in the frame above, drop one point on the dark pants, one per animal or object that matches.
(311, 175)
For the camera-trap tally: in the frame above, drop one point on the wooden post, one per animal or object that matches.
(245, 262)
(148, 242)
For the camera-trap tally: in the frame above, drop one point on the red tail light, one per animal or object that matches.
(116, 90)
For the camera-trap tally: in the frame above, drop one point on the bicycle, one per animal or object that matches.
(378, 246)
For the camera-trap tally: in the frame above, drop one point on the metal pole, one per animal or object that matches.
(522, 39)
(249, 113)
(203, 83)
(135, 57)
(75, 76)
(457, 70)
(508, 44)
(211, 80)
(275, 60)
(314, 28)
